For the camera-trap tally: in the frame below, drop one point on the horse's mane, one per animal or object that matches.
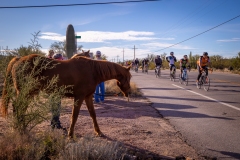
(108, 69)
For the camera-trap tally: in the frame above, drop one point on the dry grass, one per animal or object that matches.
(52, 144)
(112, 88)
(93, 148)
(31, 146)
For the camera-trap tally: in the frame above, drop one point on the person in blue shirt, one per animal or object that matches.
(171, 60)
(100, 89)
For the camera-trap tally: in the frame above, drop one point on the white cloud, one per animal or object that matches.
(229, 40)
(99, 36)
(117, 52)
(164, 45)
(52, 36)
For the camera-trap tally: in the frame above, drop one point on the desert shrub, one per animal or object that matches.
(93, 148)
(29, 110)
(52, 144)
(44, 145)
(151, 65)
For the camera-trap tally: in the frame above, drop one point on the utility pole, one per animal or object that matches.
(123, 55)
(117, 58)
(134, 51)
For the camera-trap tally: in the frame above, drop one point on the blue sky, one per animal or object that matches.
(150, 26)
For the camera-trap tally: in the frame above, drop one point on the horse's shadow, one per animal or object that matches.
(119, 108)
(140, 153)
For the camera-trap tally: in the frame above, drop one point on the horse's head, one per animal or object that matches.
(124, 82)
(83, 54)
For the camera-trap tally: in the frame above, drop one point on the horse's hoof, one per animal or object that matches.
(70, 136)
(71, 140)
(100, 134)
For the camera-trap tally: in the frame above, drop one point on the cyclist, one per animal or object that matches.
(158, 62)
(133, 64)
(202, 64)
(171, 60)
(136, 62)
(183, 63)
(146, 61)
(143, 64)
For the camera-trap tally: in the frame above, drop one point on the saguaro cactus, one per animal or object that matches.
(70, 41)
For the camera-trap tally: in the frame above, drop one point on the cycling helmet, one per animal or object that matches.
(171, 53)
(98, 54)
(205, 53)
(58, 56)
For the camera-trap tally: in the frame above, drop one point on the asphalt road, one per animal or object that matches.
(208, 120)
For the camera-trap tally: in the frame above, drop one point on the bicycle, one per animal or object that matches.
(136, 68)
(173, 74)
(183, 78)
(146, 68)
(204, 80)
(158, 71)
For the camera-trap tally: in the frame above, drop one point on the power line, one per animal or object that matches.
(199, 33)
(195, 11)
(81, 4)
(197, 18)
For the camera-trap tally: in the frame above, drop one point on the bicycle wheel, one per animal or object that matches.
(206, 83)
(185, 82)
(159, 73)
(199, 84)
(180, 79)
(174, 76)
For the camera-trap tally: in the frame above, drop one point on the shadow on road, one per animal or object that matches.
(151, 88)
(186, 99)
(229, 154)
(174, 112)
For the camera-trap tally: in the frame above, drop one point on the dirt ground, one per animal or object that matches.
(136, 124)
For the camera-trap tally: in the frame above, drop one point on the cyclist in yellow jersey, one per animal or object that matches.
(202, 64)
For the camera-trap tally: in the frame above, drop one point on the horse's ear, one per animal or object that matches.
(88, 51)
(82, 51)
(129, 67)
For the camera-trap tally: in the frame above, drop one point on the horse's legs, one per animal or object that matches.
(75, 112)
(91, 110)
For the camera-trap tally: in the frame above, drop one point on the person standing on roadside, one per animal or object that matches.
(100, 89)
(55, 102)
(50, 54)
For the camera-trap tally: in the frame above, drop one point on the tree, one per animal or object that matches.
(34, 42)
(60, 47)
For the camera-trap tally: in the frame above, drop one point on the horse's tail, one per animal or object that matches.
(7, 83)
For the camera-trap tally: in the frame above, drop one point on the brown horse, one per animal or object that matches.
(8, 80)
(83, 74)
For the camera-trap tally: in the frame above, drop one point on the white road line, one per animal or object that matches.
(228, 105)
